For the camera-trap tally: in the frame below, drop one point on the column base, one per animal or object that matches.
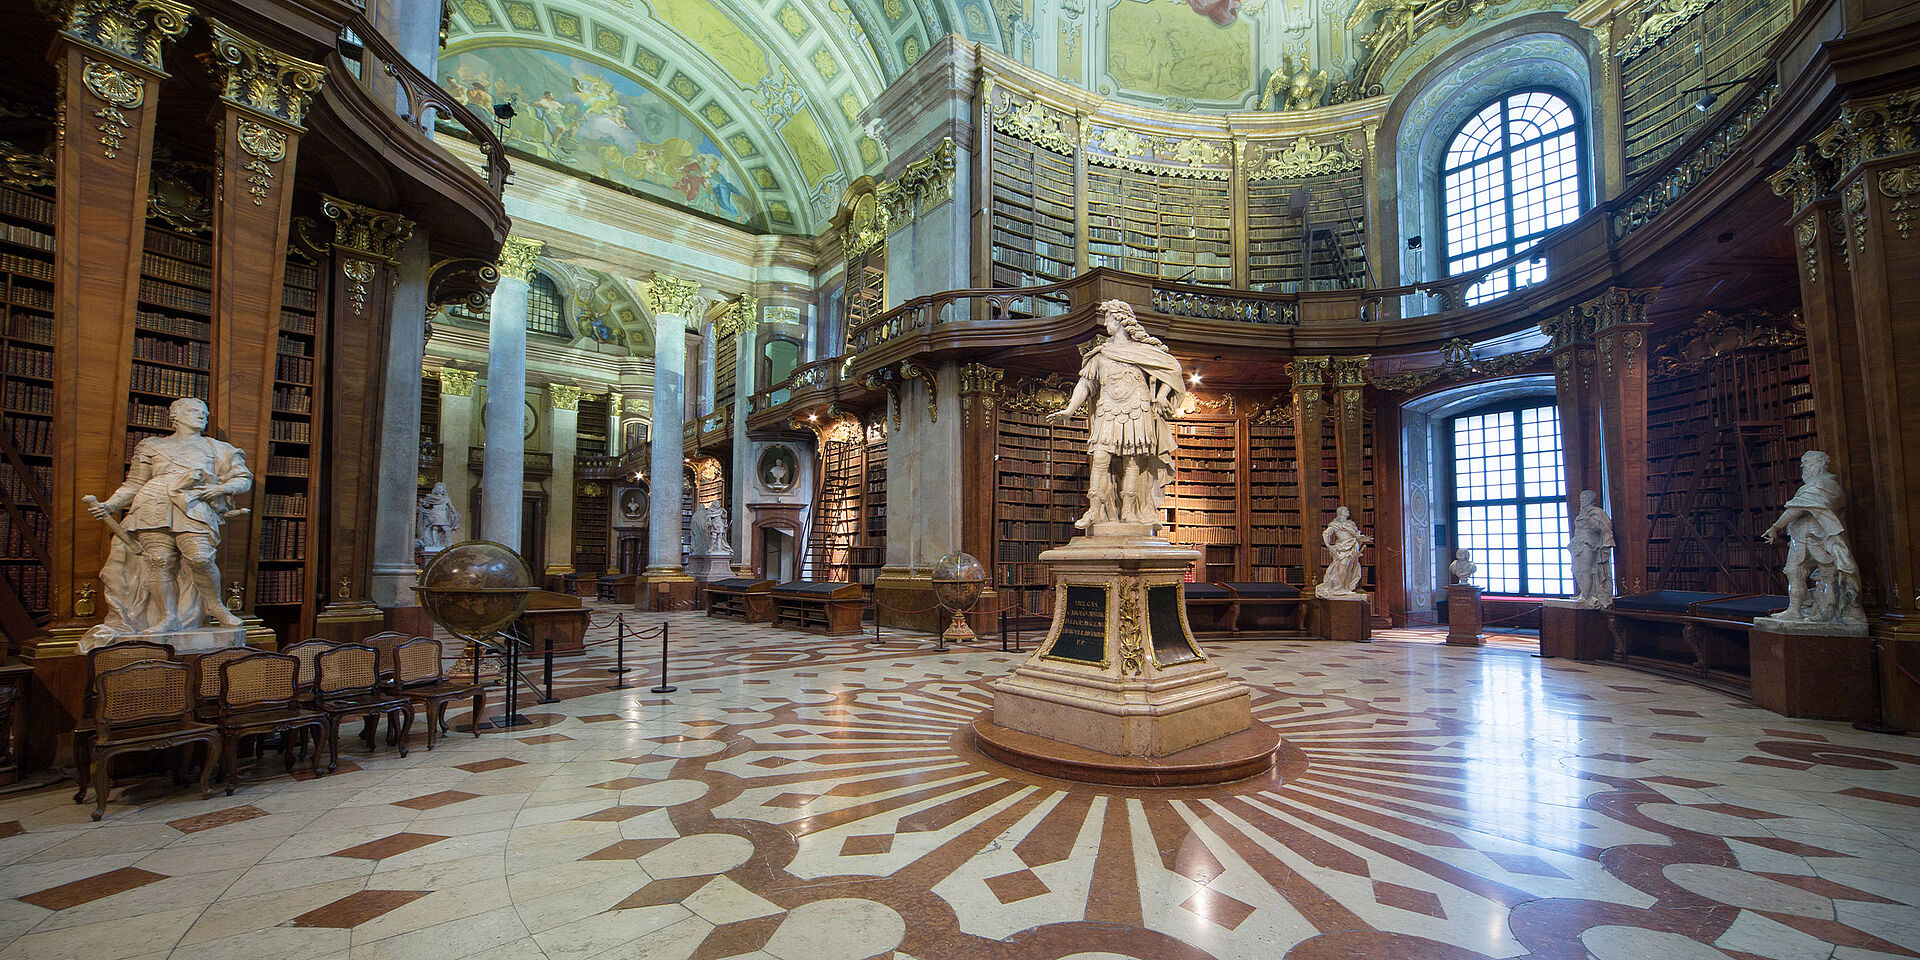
(1568, 629)
(1348, 620)
(1463, 615)
(1815, 676)
(667, 588)
(902, 597)
(349, 622)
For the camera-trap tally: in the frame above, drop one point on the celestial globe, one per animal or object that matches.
(958, 580)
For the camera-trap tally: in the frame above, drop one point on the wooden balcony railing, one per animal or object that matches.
(420, 100)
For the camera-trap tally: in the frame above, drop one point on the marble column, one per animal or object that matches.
(503, 470)
(565, 401)
(399, 468)
(746, 373)
(665, 579)
(456, 435)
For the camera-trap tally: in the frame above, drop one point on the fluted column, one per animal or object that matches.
(399, 434)
(456, 435)
(565, 401)
(745, 320)
(503, 468)
(671, 301)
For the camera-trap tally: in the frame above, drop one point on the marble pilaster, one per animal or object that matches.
(671, 301)
(398, 475)
(746, 380)
(457, 433)
(503, 469)
(565, 401)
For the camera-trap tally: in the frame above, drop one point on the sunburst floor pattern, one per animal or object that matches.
(804, 799)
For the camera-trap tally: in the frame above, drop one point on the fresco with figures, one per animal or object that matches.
(580, 115)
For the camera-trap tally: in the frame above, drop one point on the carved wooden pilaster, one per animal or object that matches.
(108, 57)
(1618, 319)
(365, 243)
(1577, 397)
(980, 390)
(1349, 379)
(264, 97)
(1309, 375)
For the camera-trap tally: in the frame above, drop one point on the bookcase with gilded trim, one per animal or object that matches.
(1273, 481)
(1040, 489)
(836, 509)
(1160, 224)
(26, 394)
(1032, 214)
(1661, 83)
(1307, 233)
(1203, 502)
(871, 553)
(285, 588)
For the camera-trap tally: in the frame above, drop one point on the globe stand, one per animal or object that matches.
(474, 590)
(959, 631)
(511, 716)
(958, 580)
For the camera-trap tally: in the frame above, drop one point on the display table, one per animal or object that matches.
(1690, 634)
(1209, 607)
(1463, 615)
(556, 617)
(1570, 630)
(741, 598)
(834, 609)
(1244, 609)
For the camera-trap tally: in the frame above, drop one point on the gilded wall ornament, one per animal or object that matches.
(1900, 185)
(1663, 19)
(929, 376)
(266, 146)
(260, 78)
(1808, 233)
(563, 396)
(517, 256)
(1871, 128)
(122, 88)
(1037, 125)
(668, 295)
(113, 130)
(742, 314)
(364, 229)
(1301, 159)
(456, 383)
(359, 273)
(135, 29)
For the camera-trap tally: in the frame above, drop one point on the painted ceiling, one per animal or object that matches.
(751, 111)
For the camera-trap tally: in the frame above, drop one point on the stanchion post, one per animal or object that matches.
(876, 623)
(664, 687)
(546, 671)
(619, 670)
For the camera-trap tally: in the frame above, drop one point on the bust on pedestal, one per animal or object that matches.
(1577, 627)
(1813, 659)
(160, 579)
(1464, 616)
(1119, 692)
(1339, 610)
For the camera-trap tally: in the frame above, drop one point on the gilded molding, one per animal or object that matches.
(1806, 178)
(358, 273)
(884, 380)
(1457, 362)
(1870, 129)
(1582, 321)
(925, 184)
(1308, 371)
(1130, 150)
(1349, 372)
(260, 78)
(983, 384)
(1302, 159)
(135, 29)
(456, 383)
(1665, 17)
(1855, 201)
(28, 171)
(365, 230)
(1034, 123)
(1132, 636)
(914, 371)
(1040, 396)
(563, 396)
(667, 294)
(1807, 231)
(517, 255)
(742, 314)
(1716, 335)
(1900, 185)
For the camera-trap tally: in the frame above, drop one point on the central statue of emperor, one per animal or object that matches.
(1135, 385)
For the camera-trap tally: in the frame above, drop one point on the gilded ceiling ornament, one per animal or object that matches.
(517, 256)
(669, 295)
(260, 78)
(358, 273)
(135, 29)
(1301, 159)
(365, 229)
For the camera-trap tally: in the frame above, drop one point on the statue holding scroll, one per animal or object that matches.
(1344, 541)
(178, 492)
(1134, 384)
(1819, 561)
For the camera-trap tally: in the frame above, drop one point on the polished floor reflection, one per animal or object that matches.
(806, 799)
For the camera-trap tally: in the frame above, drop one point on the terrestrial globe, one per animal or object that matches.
(474, 588)
(958, 580)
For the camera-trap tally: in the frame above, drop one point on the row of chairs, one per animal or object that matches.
(142, 698)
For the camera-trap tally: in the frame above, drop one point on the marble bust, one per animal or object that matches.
(437, 521)
(1592, 549)
(1341, 580)
(178, 492)
(1823, 581)
(1134, 385)
(1463, 567)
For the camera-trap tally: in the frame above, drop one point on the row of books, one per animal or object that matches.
(282, 539)
(179, 247)
(164, 294)
(293, 370)
(29, 489)
(1049, 530)
(173, 326)
(26, 236)
(26, 206)
(293, 322)
(32, 298)
(291, 431)
(26, 266)
(287, 504)
(289, 466)
(154, 415)
(292, 400)
(177, 271)
(26, 398)
(193, 354)
(1046, 495)
(302, 275)
(24, 541)
(31, 436)
(278, 586)
(168, 382)
(25, 361)
(292, 296)
(295, 346)
(33, 584)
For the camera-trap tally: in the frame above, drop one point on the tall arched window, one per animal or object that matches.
(1509, 498)
(543, 308)
(1511, 174)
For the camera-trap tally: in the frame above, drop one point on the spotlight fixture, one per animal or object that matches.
(1193, 378)
(1705, 102)
(1707, 95)
(504, 112)
(1413, 242)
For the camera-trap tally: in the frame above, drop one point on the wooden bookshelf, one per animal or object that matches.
(592, 499)
(1040, 488)
(1725, 42)
(1032, 214)
(26, 394)
(284, 591)
(1307, 234)
(1273, 481)
(172, 338)
(1160, 224)
(871, 553)
(1203, 502)
(432, 453)
(836, 509)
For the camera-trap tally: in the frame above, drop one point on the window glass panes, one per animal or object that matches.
(1511, 175)
(1509, 500)
(543, 307)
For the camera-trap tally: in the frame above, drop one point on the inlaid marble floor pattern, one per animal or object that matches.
(810, 799)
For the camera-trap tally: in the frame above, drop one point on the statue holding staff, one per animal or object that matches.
(1133, 383)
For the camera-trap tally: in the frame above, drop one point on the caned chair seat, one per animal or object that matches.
(143, 706)
(99, 661)
(347, 684)
(418, 676)
(260, 694)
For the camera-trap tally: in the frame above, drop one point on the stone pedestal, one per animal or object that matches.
(1463, 615)
(1120, 677)
(1570, 630)
(667, 590)
(1819, 671)
(707, 568)
(1340, 619)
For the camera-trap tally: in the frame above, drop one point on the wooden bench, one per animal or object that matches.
(741, 598)
(1690, 634)
(834, 609)
(619, 587)
(557, 617)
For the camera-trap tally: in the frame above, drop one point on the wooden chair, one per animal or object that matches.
(418, 675)
(260, 694)
(306, 651)
(99, 661)
(207, 680)
(143, 706)
(385, 642)
(348, 685)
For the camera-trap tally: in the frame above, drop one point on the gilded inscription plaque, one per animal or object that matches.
(1083, 627)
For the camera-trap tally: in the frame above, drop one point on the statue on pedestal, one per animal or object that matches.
(719, 530)
(438, 521)
(1343, 538)
(1463, 568)
(1818, 559)
(179, 489)
(1134, 383)
(1592, 548)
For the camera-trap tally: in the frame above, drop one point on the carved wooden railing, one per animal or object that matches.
(819, 373)
(421, 101)
(610, 466)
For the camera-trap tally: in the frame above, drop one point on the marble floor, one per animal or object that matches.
(809, 799)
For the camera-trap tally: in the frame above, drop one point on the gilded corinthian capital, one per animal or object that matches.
(517, 256)
(374, 232)
(135, 29)
(665, 294)
(260, 78)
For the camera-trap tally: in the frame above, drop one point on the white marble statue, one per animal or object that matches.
(1134, 384)
(1463, 567)
(179, 489)
(437, 521)
(1592, 549)
(1819, 562)
(1341, 580)
(719, 530)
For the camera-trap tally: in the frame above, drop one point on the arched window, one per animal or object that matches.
(543, 308)
(1511, 174)
(1509, 498)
